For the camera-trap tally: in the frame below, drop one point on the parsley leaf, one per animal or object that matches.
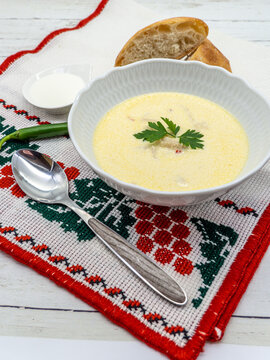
(152, 135)
(157, 126)
(157, 131)
(192, 138)
(171, 125)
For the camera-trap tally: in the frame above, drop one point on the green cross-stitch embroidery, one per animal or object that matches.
(215, 247)
(10, 147)
(99, 200)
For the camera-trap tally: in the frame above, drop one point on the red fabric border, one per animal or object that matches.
(9, 60)
(218, 313)
(232, 288)
(223, 304)
(255, 249)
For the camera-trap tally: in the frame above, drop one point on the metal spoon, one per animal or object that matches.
(44, 180)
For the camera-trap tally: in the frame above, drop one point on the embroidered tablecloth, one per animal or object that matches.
(212, 249)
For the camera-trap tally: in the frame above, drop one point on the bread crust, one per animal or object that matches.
(209, 54)
(181, 22)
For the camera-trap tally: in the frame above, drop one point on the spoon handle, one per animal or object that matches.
(134, 259)
(140, 264)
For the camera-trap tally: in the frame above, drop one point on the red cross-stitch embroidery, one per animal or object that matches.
(164, 227)
(7, 181)
(22, 112)
(229, 204)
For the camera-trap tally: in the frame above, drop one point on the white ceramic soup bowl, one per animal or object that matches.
(165, 75)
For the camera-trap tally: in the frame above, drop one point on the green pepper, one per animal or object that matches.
(37, 132)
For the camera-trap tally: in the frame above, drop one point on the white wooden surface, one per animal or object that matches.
(29, 303)
(91, 349)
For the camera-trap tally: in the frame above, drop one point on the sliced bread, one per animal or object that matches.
(172, 38)
(209, 54)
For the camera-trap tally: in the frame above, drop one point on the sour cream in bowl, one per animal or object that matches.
(230, 117)
(55, 89)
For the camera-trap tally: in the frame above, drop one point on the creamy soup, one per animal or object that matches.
(166, 165)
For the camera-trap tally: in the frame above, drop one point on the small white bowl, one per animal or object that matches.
(84, 71)
(164, 75)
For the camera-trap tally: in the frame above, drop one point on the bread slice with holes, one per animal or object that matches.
(209, 54)
(172, 38)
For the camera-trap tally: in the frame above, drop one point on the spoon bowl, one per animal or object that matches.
(40, 177)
